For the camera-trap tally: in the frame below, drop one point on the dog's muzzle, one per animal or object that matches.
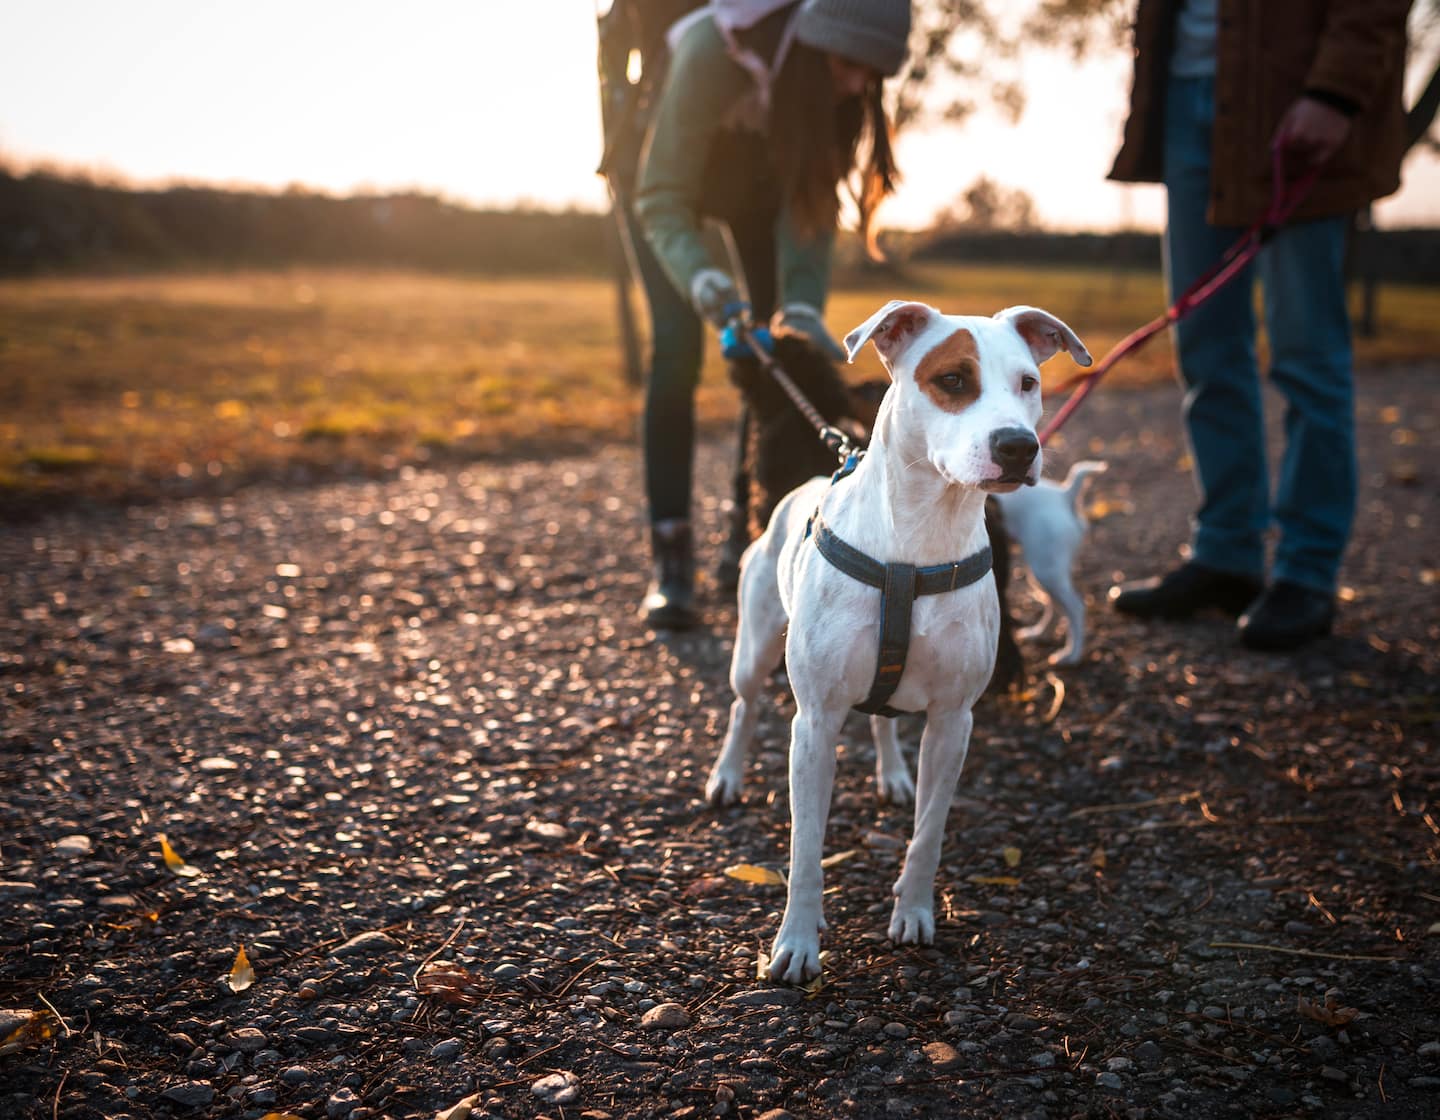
(1013, 450)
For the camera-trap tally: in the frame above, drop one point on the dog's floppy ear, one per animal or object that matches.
(1044, 334)
(891, 328)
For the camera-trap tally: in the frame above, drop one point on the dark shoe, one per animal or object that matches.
(1286, 617)
(670, 602)
(1189, 588)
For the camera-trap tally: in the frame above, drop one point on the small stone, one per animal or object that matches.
(246, 1039)
(665, 1017)
(1043, 1060)
(557, 1088)
(295, 1075)
(1330, 1073)
(1110, 1081)
(1429, 1050)
(73, 846)
(190, 1094)
(1119, 1065)
(341, 1103)
(366, 944)
(547, 830)
(449, 1048)
(506, 971)
(941, 1055)
(897, 1030)
(776, 1114)
(118, 902)
(1149, 1053)
(1424, 1082)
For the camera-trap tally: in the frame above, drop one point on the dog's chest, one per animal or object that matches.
(834, 639)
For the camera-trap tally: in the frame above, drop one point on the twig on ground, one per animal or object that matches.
(1299, 952)
(415, 980)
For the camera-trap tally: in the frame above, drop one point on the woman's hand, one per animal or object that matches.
(713, 293)
(801, 318)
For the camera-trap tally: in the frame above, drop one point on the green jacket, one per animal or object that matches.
(705, 94)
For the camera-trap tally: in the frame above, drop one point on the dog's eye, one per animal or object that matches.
(1029, 383)
(952, 382)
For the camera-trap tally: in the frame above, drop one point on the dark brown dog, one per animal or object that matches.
(782, 450)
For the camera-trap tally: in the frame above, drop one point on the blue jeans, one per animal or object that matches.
(1308, 326)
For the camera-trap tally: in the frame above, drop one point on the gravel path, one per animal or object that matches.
(429, 771)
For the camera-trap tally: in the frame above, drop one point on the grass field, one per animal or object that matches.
(126, 387)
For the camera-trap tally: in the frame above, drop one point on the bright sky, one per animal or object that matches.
(489, 102)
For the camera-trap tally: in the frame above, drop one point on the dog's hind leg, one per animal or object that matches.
(943, 747)
(1041, 626)
(759, 644)
(1053, 574)
(892, 777)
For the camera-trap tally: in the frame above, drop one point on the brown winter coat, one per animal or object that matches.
(1269, 52)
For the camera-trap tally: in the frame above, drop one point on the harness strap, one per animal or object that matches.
(899, 584)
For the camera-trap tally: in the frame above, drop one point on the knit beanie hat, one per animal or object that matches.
(871, 32)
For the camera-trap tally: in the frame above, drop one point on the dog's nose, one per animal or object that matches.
(1013, 449)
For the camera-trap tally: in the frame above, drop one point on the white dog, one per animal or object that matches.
(1048, 524)
(957, 422)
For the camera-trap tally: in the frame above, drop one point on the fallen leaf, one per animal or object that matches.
(1012, 857)
(460, 1110)
(994, 880)
(174, 862)
(32, 1028)
(1097, 859)
(281, 1116)
(449, 983)
(749, 873)
(241, 974)
(1329, 1012)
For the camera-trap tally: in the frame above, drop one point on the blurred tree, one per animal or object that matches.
(988, 205)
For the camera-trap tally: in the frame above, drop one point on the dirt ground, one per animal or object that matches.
(423, 763)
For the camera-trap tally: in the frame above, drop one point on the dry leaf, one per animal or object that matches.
(1097, 858)
(174, 862)
(241, 974)
(281, 1116)
(749, 873)
(450, 983)
(460, 1110)
(838, 857)
(26, 1029)
(1329, 1013)
(994, 880)
(1012, 857)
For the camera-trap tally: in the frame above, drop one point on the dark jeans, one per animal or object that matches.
(677, 348)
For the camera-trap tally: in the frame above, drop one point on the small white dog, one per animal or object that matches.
(829, 580)
(1048, 522)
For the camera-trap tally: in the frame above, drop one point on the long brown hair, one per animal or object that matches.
(816, 143)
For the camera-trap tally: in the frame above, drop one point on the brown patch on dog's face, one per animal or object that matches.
(950, 373)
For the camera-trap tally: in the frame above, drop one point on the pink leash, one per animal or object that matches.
(1282, 204)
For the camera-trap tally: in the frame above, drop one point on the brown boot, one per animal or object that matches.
(670, 602)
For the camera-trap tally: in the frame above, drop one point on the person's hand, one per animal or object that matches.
(801, 318)
(711, 292)
(1310, 133)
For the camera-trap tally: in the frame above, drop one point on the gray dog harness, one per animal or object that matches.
(899, 584)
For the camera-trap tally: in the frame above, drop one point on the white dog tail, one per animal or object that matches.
(1074, 484)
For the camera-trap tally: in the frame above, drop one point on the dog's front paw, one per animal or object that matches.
(912, 925)
(895, 787)
(795, 956)
(723, 787)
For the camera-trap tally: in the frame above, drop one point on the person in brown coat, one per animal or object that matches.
(1218, 86)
